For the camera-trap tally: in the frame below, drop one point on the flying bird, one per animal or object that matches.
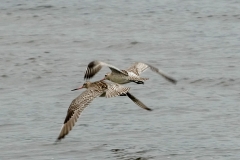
(94, 89)
(132, 74)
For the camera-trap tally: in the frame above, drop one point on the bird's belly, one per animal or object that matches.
(119, 80)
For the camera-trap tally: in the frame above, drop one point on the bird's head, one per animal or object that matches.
(85, 85)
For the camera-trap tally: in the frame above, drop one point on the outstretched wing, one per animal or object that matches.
(138, 102)
(167, 77)
(140, 67)
(115, 89)
(76, 108)
(95, 66)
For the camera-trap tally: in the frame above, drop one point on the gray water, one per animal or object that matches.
(46, 45)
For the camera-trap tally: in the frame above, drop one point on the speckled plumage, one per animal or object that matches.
(95, 89)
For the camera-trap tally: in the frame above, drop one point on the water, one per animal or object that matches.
(46, 45)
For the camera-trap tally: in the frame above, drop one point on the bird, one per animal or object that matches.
(132, 74)
(94, 89)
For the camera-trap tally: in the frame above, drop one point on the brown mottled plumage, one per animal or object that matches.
(95, 89)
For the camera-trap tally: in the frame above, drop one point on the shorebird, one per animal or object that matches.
(132, 74)
(95, 89)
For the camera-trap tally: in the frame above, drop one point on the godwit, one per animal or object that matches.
(95, 89)
(132, 74)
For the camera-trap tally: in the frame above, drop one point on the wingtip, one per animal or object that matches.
(60, 137)
(92, 64)
(86, 76)
(174, 81)
(57, 140)
(149, 109)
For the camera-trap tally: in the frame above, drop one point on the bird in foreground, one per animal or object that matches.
(132, 74)
(94, 89)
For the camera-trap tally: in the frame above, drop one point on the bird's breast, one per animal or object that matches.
(118, 78)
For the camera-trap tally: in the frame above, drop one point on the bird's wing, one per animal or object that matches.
(140, 67)
(115, 89)
(167, 77)
(76, 108)
(95, 66)
(138, 102)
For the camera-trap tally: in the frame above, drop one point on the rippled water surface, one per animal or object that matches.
(45, 47)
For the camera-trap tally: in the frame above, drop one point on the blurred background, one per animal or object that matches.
(45, 46)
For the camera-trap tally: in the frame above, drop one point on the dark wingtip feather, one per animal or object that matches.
(138, 102)
(92, 64)
(58, 140)
(88, 69)
(172, 80)
(92, 69)
(88, 74)
(149, 109)
(61, 136)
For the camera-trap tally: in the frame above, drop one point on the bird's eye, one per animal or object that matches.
(105, 75)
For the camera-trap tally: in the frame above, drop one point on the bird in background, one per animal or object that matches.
(132, 74)
(94, 89)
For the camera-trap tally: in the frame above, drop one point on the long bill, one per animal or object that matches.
(77, 88)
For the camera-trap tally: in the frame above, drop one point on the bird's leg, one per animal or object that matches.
(123, 94)
(139, 82)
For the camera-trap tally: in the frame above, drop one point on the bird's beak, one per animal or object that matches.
(77, 88)
(103, 79)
